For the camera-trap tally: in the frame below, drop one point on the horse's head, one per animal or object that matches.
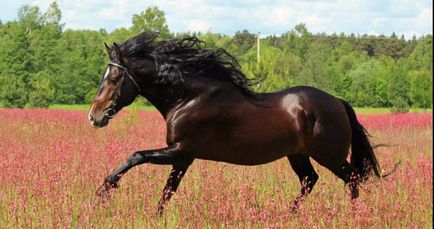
(118, 88)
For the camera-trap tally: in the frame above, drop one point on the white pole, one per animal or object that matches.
(258, 49)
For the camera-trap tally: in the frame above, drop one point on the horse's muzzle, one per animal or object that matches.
(99, 123)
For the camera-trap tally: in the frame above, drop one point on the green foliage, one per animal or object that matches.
(42, 64)
(83, 61)
(42, 93)
(317, 72)
(243, 41)
(421, 57)
(152, 19)
(15, 65)
(421, 88)
(30, 18)
(398, 90)
(274, 70)
(53, 14)
(119, 35)
(13, 91)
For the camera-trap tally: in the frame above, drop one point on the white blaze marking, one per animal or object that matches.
(105, 76)
(106, 72)
(90, 112)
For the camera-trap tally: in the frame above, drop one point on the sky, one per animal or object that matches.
(376, 17)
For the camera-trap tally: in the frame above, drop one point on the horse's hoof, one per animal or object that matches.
(160, 210)
(102, 191)
(294, 209)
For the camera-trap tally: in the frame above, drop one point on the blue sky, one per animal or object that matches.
(406, 17)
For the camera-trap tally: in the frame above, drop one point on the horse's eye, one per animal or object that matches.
(112, 81)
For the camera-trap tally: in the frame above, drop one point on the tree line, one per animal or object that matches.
(41, 63)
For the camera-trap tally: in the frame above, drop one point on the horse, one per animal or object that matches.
(211, 113)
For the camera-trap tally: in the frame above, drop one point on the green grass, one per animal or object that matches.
(386, 110)
(133, 106)
(137, 106)
(69, 107)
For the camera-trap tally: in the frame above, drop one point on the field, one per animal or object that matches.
(138, 106)
(52, 161)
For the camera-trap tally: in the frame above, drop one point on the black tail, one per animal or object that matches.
(362, 153)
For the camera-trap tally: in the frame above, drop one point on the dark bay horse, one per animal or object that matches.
(211, 114)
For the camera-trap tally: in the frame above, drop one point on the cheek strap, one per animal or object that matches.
(128, 74)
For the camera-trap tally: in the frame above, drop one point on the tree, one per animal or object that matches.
(152, 19)
(83, 61)
(301, 29)
(347, 61)
(42, 64)
(366, 44)
(317, 70)
(53, 14)
(15, 65)
(302, 41)
(30, 18)
(369, 84)
(45, 57)
(119, 35)
(243, 40)
(276, 69)
(210, 39)
(398, 89)
(421, 57)
(42, 92)
(421, 88)
(392, 46)
(13, 91)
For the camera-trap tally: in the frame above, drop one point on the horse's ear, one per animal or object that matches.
(107, 48)
(121, 57)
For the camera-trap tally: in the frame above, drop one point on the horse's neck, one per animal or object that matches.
(166, 99)
(162, 104)
(163, 99)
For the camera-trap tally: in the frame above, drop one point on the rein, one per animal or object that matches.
(111, 112)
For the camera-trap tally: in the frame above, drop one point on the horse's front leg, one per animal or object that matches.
(164, 156)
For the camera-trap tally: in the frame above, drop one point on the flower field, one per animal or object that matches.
(52, 162)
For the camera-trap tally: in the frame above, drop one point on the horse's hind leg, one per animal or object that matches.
(177, 173)
(350, 176)
(343, 170)
(306, 174)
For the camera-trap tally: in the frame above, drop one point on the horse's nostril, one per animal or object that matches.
(91, 118)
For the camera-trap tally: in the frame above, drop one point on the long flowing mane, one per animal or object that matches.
(182, 58)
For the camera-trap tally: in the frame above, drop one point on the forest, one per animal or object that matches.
(42, 63)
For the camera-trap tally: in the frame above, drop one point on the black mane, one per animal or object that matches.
(182, 58)
(139, 46)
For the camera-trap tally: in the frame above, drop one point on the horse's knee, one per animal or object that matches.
(135, 158)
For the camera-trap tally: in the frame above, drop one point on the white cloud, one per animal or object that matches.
(197, 25)
(268, 17)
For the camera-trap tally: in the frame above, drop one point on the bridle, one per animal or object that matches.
(111, 112)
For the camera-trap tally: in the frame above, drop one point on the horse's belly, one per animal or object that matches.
(248, 153)
(245, 158)
(261, 136)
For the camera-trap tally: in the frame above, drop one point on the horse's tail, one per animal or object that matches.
(362, 152)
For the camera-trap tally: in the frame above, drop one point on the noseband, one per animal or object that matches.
(111, 112)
